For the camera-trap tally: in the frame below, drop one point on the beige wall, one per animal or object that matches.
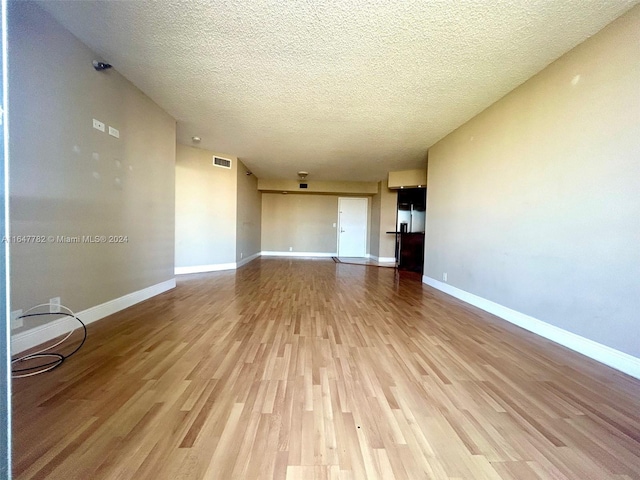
(388, 211)
(383, 219)
(374, 222)
(248, 223)
(301, 221)
(368, 237)
(68, 179)
(347, 188)
(534, 204)
(206, 206)
(408, 178)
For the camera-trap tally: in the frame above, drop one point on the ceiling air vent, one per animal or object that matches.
(221, 162)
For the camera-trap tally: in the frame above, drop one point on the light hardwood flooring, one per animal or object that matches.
(310, 369)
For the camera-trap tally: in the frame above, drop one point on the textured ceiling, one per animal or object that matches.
(344, 89)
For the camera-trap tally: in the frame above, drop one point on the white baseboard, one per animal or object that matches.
(215, 267)
(298, 254)
(383, 259)
(246, 260)
(36, 336)
(609, 356)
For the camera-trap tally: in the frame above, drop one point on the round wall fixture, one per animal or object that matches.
(195, 139)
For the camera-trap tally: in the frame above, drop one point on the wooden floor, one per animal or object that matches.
(310, 369)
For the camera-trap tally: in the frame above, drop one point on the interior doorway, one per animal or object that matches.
(352, 226)
(411, 223)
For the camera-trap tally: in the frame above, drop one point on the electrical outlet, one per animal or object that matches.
(291, 249)
(241, 255)
(114, 132)
(15, 321)
(55, 305)
(444, 276)
(98, 125)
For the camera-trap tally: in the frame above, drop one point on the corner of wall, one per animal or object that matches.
(249, 215)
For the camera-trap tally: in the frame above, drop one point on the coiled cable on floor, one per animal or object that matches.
(46, 352)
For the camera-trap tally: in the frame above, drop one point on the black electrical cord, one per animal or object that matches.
(59, 358)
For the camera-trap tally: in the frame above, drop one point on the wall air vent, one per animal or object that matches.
(221, 162)
(304, 185)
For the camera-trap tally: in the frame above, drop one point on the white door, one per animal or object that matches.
(352, 227)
